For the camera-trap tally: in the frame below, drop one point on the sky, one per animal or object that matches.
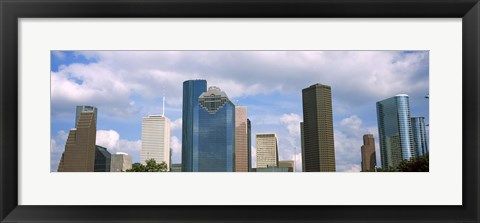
(128, 85)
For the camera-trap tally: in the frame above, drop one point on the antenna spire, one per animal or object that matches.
(163, 106)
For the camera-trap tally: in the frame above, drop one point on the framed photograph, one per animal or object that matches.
(174, 111)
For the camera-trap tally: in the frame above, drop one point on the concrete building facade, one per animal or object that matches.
(318, 139)
(155, 139)
(121, 162)
(267, 150)
(369, 159)
(241, 139)
(79, 154)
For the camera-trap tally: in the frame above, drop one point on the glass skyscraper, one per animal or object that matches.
(419, 136)
(395, 130)
(192, 89)
(213, 133)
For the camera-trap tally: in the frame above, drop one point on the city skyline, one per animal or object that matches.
(271, 109)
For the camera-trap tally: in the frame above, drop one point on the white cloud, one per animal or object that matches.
(176, 125)
(348, 140)
(176, 146)
(111, 140)
(292, 123)
(107, 138)
(116, 76)
(59, 55)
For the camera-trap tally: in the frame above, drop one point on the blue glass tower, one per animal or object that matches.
(395, 130)
(192, 89)
(214, 133)
(419, 136)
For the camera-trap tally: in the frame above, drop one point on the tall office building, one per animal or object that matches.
(155, 139)
(318, 129)
(87, 108)
(302, 146)
(267, 150)
(121, 162)
(79, 154)
(369, 159)
(241, 139)
(395, 130)
(192, 89)
(419, 136)
(214, 133)
(249, 140)
(102, 159)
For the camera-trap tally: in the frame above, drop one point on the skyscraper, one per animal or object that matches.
(192, 89)
(267, 150)
(419, 136)
(395, 130)
(82, 108)
(121, 162)
(249, 137)
(302, 146)
(369, 159)
(319, 151)
(214, 133)
(102, 159)
(241, 139)
(155, 139)
(79, 154)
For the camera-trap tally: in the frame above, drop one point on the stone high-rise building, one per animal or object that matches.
(369, 160)
(241, 139)
(155, 139)
(267, 150)
(395, 130)
(319, 151)
(79, 154)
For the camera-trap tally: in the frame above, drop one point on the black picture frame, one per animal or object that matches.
(12, 10)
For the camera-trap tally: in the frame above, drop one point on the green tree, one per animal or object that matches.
(387, 169)
(419, 164)
(151, 166)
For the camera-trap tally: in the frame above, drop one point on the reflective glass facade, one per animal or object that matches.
(214, 133)
(394, 130)
(419, 136)
(192, 89)
(102, 159)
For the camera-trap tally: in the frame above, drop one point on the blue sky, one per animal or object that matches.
(128, 85)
